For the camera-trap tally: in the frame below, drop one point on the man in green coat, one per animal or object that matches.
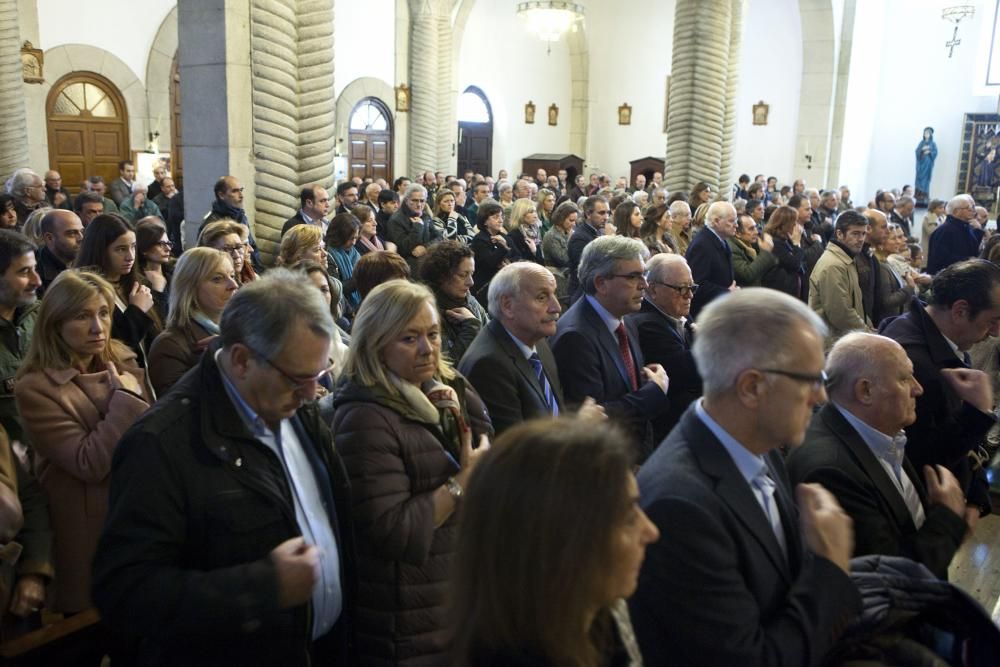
(19, 283)
(752, 256)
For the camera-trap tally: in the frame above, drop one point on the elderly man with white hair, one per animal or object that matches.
(958, 237)
(680, 220)
(855, 447)
(28, 190)
(711, 258)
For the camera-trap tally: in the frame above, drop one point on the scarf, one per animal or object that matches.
(346, 261)
(437, 403)
(377, 245)
(747, 248)
(446, 302)
(202, 320)
(238, 214)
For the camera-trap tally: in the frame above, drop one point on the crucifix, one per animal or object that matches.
(955, 41)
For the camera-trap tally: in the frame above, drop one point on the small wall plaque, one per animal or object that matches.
(402, 97)
(529, 113)
(553, 114)
(32, 60)
(625, 114)
(760, 111)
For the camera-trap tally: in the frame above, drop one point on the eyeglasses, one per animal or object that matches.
(683, 290)
(233, 249)
(817, 381)
(630, 277)
(166, 245)
(295, 383)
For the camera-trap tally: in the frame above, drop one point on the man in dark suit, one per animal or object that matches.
(121, 187)
(711, 258)
(597, 352)
(510, 363)
(665, 334)
(956, 409)
(347, 197)
(740, 576)
(855, 448)
(315, 204)
(957, 238)
(596, 214)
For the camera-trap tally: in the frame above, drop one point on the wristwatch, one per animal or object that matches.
(455, 489)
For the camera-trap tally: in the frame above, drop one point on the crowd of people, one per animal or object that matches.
(483, 421)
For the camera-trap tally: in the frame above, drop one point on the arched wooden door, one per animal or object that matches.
(371, 140)
(475, 132)
(87, 128)
(176, 158)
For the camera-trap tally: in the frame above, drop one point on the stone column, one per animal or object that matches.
(13, 129)
(214, 64)
(432, 125)
(732, 90)
(702, 92)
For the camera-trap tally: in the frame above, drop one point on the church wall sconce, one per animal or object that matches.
(402, 97)
(625, 114)
(553, 114)
(760, 111)
(529, 113)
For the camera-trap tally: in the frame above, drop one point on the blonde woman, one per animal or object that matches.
(302, 242)
(525, 237)
(405, 422)
(203, 282)
(77, 391)
(230, 237)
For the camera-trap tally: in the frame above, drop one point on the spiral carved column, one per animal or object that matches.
(701, 117)
(732, 89)
(13, 129)
(431, 129)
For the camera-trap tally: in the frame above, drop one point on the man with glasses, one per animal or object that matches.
(315, 204)
(746, 576)
(665, 334)
(596, 214)
(856, 445)
(410, 227)
(28, 190)
(55, 194)
(597, 351)
(711, 258)
(957, 238)
(228, 536)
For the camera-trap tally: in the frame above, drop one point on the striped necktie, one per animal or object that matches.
(550, 399)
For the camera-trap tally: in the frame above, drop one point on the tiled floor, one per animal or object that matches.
(976, 566)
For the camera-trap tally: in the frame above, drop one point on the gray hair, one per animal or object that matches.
(263, 312)
(504, 186)
(661, 264)
(733, 336)
(640, 197)
(959, 200)
(716, 211)
(508, 281)
(412, 189)
(810, 192)
(21, 181)
(904, 200)
(678, 207)
(601, 255)
(854, 356)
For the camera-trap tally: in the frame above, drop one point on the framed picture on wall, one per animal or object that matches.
(625, 114)
(529, 113)
(553, 114)
(979, 164)
(402, 97)
(32, 60)
(760, 111)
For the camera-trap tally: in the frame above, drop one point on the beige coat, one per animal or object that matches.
(75, 421)
(835, 293)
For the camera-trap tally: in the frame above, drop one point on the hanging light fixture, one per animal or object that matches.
(549, 20)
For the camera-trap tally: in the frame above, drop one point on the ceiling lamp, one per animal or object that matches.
(550, 19)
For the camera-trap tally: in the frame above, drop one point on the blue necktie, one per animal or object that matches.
(550, 400)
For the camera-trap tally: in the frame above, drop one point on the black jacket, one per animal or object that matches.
(947, 429)
(583, 234)
(48, 267)
(196, 506)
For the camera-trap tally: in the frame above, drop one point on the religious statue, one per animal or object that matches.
(926, 154)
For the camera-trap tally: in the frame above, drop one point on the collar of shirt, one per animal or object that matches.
(954, 347)
(525, 350)
(715, 233)
(748, 463)
(243, 409)
(610, 321)
(886, 447)
(678, 322)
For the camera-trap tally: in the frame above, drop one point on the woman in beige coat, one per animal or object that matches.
(77, 392)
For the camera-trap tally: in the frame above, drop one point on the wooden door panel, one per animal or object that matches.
(106, 143)
(70, 141)
(73, 173)
(379, 149)
(475, 149)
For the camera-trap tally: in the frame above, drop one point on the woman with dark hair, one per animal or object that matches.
(656, 230)
(155, 259)
(109, 247)
(789, 275)
(489, 246)
(8, 214)
(701, 193)
(451, 224)
(341, 237)
(368, 238)
(77, 391)
(532, 489)
(406, 424)
(628, 219)
(447, 269)
(376, 268)
(555, 244)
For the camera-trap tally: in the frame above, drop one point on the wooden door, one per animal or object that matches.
(87, 128)
(176, 161)
(475, 132)
(370, 138)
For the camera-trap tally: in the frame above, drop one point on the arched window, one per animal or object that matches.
(475, 132)
(370, 137)
(87, 127)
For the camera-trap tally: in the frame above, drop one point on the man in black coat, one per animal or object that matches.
(596, 214)
(740, 576)
(956, 409)
(711, 258)
(509, 362)
(228, 536)
(314, 204)
(597, 352)
(665, 335)
(957, 238)
(855, 448)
